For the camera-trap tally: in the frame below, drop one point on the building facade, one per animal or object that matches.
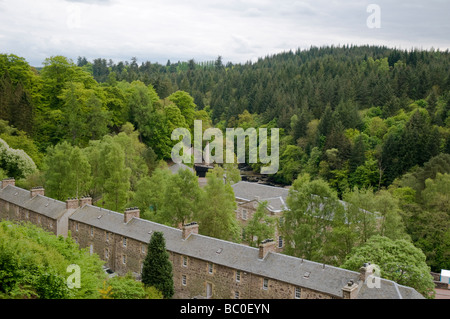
(203, 267)
(250, 195)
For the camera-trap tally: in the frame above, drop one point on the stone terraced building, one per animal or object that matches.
(203, 267)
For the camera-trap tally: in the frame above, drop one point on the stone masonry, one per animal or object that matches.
(203, 267)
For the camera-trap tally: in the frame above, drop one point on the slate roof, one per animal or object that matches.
(388, 290)
(46, 206)
(176, 167)
(304, 273)
(43, 205)
(111, 221)
(275, 196)
(15, 195)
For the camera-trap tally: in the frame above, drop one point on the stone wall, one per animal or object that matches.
(193, 277)
(121, 254)
(12, 212)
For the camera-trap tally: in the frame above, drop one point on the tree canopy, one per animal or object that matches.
(369, 125)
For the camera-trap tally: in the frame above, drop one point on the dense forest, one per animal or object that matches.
(366, 120)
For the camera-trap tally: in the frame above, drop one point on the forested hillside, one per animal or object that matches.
(373, 118)
(354, 111)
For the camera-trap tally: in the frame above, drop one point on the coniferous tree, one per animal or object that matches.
(447, 146)
(326, 122)
(157, 270)
(357, 156)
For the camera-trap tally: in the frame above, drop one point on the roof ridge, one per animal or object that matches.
(225, 241)
(48, 198)
(157, 224)
(259, 184)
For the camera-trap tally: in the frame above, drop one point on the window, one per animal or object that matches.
(265, 283)
(106, 253)
(124, 259)
(244, 214)
(107, 236)
(143, 248)
(91, 249)
(236, 295)
(39, 221)
(185, 261)
(280, 241)
(92, 231)
(238, 275)
(210, 268)
(297, 293)
(76, 224)
(124, 242)
(183, 280)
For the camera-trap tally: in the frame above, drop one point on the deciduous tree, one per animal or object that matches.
(398, 260)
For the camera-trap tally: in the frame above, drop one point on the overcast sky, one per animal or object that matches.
(238, 30)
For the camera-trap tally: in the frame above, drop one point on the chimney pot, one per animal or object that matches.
(131, 213)
(86, 200)
(188, 229)
(350, 291)
(8, 181)
(72, 203)
(265, 247)
(365, 271)
(39, 190)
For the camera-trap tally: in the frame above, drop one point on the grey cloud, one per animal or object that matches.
(99, 2)
(238, 30)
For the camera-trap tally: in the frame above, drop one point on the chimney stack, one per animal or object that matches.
(86, 200)
(350, 290)
(72, 203)
(265, 247)
(188, 229)
(8, 181)
(365, 271)
(130, 213)
(38, 190)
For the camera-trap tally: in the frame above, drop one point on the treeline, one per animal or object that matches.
(350, 114)
(359, 118)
